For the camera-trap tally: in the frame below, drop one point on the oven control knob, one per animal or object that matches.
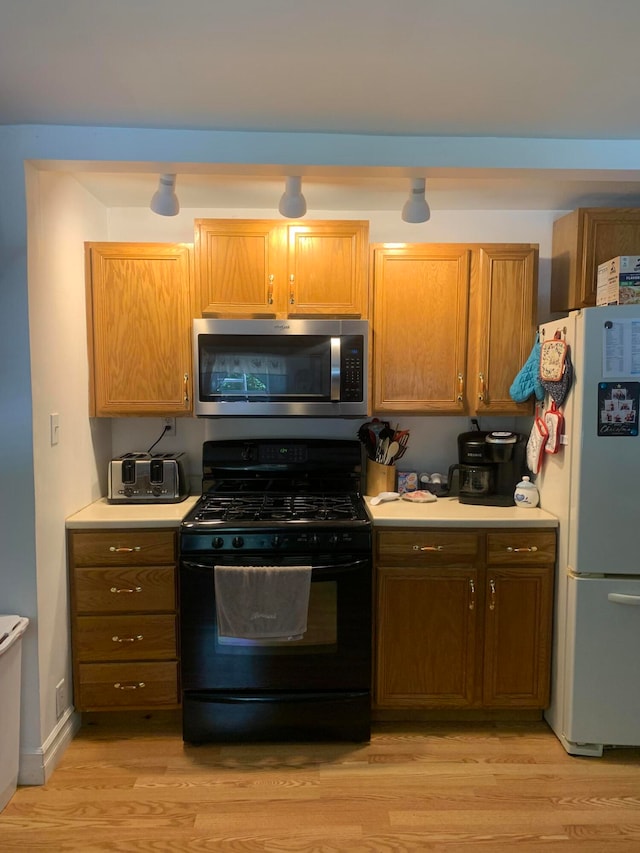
(237, 542)
(217, 542)
(276, 541)
(334, 539)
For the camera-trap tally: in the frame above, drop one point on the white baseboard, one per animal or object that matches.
(36, 766)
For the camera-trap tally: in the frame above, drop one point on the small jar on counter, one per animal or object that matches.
(526, 493)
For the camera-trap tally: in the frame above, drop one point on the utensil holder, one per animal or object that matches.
(380, 478)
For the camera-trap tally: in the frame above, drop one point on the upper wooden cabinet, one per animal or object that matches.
(582, 240)
(263, 268)
(452, 326)
(139, 310)
(420, 306)
(502, 325)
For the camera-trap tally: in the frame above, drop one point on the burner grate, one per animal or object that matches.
(276, 508)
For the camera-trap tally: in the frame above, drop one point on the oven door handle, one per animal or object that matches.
(335, 567)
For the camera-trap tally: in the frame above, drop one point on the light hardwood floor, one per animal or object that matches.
(416, 787)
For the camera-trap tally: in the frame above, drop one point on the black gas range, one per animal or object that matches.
(277, 504)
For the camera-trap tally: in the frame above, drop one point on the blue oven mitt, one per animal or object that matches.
(527, 382)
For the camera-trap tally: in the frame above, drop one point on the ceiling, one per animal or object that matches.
(512, 69)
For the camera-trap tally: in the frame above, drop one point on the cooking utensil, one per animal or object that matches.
(384, 496)
(391, 451)
(381, 453)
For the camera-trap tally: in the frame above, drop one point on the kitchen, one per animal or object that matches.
(62, 216)
(44, 345)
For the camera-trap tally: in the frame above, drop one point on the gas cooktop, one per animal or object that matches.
(273, 507)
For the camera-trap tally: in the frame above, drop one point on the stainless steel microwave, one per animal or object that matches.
(278, 368)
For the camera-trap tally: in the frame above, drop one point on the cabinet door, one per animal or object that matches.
(421, 295)
(517, 647)
(582, 240)
(240, 267)
(139, 326)
(426, 637)
(327, 269)
(503, 326)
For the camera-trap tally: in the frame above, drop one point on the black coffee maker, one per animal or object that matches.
(490, 466)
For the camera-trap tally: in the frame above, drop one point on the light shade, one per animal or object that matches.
(293, 203)
(165, 201)
(416, 208)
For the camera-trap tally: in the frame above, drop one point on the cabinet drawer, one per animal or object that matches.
(123, 548)
(111, 590)
(521, 547)
(426, 545)
(117, 685)
(113, 638)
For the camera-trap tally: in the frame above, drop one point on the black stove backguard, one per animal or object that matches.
(277, 503)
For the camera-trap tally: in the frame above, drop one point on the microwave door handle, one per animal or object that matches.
(335, 370)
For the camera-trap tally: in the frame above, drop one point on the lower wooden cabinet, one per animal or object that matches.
(124, 618)
(463, 618)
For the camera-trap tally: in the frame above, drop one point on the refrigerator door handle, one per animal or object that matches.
(619, 598)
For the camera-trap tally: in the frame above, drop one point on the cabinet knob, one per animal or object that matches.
(530, 550)
(185, 380)
(292, 300)
(130, 686)
(472, 597)
(428, 547)
(135, 639)
(116, 590)
(460, 387)
(270, 290)
(122, 550)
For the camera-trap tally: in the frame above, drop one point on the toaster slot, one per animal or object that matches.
(156, 471)
(128, 471)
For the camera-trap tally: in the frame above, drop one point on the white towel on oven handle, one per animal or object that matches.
(262, 602)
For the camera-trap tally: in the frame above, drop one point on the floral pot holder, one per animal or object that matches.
(556, 369)
(554, 422)
(536, 444)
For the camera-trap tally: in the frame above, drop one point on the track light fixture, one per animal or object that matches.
(293, 204)
(165, 201)
(416, 208)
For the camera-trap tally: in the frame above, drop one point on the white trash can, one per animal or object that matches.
(11, 630)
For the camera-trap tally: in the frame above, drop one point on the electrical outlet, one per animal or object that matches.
(169, 425)
(61, 699)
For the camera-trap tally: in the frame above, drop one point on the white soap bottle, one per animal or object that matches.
(526, 493)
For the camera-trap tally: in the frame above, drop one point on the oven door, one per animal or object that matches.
(334, 654)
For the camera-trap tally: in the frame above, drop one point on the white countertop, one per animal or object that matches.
(103, 514)
(448, 512)
(443, 512)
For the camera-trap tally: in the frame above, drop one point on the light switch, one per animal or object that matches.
(54, 426)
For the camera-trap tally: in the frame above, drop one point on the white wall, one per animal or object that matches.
(71, 473)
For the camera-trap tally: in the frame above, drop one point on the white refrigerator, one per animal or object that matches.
(593, 486)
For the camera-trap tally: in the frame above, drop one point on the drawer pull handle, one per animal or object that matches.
(428, 547)
(132, 686)
(531, 550)
(472, 600)
(122, 550)
(492, 587)
(135, 639)
(116, 590)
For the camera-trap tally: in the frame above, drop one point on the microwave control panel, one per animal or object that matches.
(351, 368)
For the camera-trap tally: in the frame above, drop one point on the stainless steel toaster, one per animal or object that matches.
(148, 478)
